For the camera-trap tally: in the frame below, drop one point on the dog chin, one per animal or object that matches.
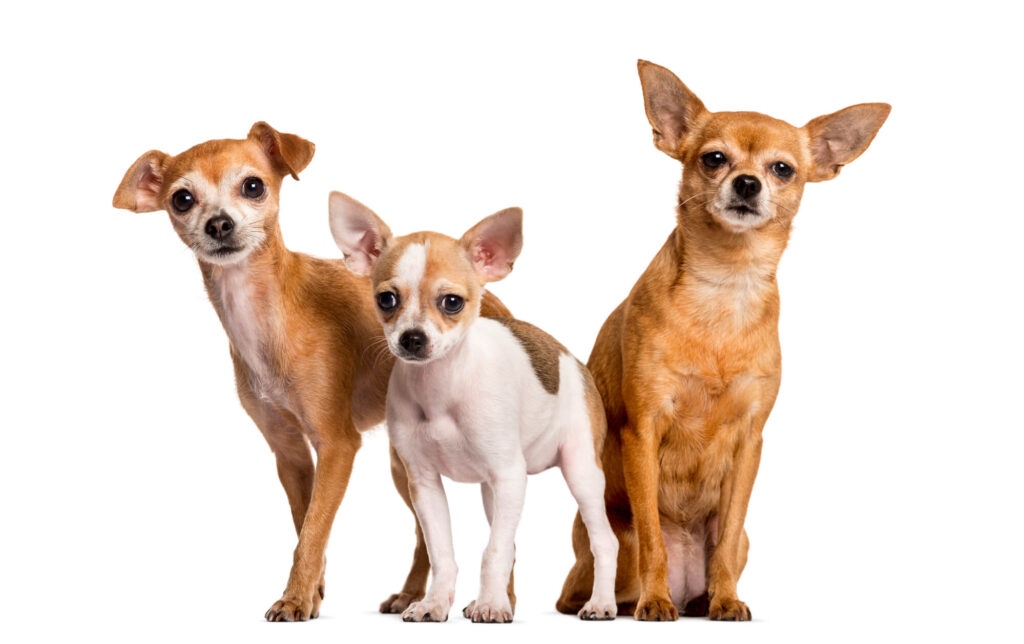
(225, 256)
(738, 221)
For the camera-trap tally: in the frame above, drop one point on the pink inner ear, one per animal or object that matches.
(489, 260)
(483, 256)
(147, 191)
(272, 150)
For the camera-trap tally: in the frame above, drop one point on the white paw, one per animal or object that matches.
(427, 610)
(594, 610)
(489, 612)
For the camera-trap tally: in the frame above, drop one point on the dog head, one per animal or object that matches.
(221, 195)
(742, 170)
(427, 286)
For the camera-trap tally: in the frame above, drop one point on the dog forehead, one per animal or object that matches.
(752, 131)
(213, 160)
(432, 256)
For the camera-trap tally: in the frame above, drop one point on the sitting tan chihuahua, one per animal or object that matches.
(300, 331)
(688, 365)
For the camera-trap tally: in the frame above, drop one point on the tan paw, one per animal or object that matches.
(289, 609)
(398, 602)
(482, 612)
(728, 609)
(426, 610)
(656, 609)
(594, 610)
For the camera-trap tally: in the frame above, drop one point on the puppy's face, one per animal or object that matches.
(427, 295)
(221, 196)
(744, 170)
(427, 287)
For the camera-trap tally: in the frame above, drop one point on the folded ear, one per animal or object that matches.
(495, 243)
(359, 233)
(671, 107)
(289, 153)
(839, 138)
(140, 188)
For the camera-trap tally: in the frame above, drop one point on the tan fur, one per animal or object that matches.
(542, 349)
(318, 335)
(689, 365)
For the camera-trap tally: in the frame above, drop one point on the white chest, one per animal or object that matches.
(246, 328)
(480, 409)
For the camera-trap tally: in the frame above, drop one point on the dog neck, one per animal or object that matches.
(433, 380)
(247, 298)
(727, 276)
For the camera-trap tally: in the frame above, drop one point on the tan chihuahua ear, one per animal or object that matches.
(495, 243)
(360, 234)
(839, 138)
(671, 107)
(140, 188)
(289, 153)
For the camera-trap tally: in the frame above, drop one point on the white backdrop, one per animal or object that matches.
(139, 503)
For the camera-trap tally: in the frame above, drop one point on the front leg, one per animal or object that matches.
(333, 468)
(642, 473)
(731, 551)
(487, 496)
(431, 507)
(493, 604)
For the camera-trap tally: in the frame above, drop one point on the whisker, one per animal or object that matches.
(699, 194)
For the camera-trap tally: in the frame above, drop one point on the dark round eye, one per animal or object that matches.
(782, 170)
(387, 301)
(253, 188)
(182, 200)
(452, 304)
(713, 159)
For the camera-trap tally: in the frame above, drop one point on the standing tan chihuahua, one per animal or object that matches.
(689, 365)
(310, 363)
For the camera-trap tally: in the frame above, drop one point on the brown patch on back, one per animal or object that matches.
(542, 349)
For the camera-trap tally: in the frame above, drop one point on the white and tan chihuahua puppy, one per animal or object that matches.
(478, 400)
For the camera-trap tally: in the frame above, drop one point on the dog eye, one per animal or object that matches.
(713, 160)
(782, 170)
(452, 304)
(387, 301)
(182, 200)
(253, 188)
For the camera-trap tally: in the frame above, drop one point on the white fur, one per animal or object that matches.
(478, 414)
(408, 273)
(243, 326)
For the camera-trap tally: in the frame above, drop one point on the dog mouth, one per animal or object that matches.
(224, 251)
(742, 210)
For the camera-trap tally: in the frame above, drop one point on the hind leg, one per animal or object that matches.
(579, 582)
(586, 482)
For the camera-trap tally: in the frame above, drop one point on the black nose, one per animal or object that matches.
(746, 186)
(414, 342)
(220, 227)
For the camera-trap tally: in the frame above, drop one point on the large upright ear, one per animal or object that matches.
(289, 153)
(671, 107)
(358, 232)
(140, 188)
(495, 243)
(839, 138)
